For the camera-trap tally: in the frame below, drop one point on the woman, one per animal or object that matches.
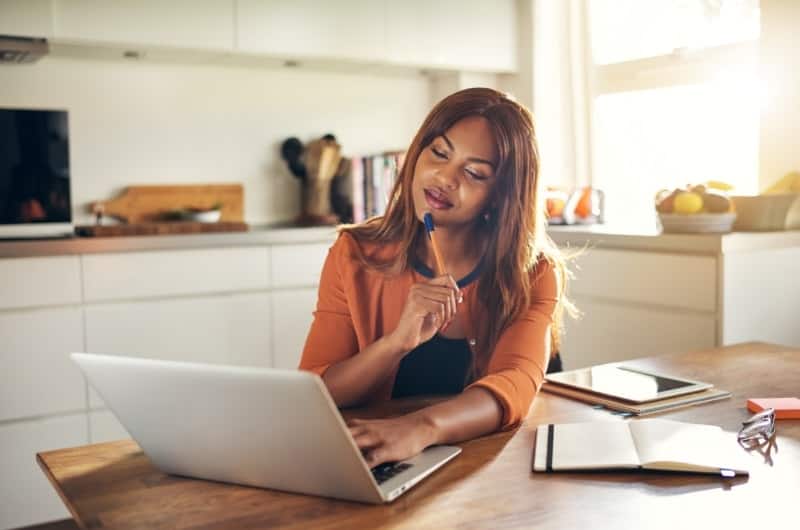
(387, 326)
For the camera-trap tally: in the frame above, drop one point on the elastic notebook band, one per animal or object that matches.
(551, 430)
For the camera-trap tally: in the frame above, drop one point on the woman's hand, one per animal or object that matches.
(430, 305)
(393, 439)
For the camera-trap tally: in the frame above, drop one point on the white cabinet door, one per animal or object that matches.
(26, 496)
(226, 329)
(463, 34)
(298, 265)
(198, 24)
(104, 427)
(291, 320)
(344, 29)
(36, 375)
(652, 278)
(761, 299)
(610, 331)
(32, 282)
(26, 18)
(128, 275)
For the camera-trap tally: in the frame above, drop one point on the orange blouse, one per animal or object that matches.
(357, 306)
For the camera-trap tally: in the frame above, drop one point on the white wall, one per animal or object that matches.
(780, 73)
(171, 123)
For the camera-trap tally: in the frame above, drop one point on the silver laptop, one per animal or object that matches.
(269, 428)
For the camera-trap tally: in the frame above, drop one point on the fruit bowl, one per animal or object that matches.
(698, 223)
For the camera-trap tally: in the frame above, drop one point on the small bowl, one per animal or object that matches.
(697, 223)
(206, 216)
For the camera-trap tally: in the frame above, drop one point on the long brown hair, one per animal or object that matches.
(516, 231)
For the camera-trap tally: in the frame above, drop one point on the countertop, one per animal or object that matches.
(606, 236)
(257, 235)
(576, 236)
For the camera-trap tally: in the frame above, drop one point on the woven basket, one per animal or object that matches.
(761, 213)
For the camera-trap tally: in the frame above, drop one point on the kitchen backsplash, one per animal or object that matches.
(158, 123)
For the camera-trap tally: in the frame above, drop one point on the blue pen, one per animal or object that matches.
(436, 255)
(428, 218)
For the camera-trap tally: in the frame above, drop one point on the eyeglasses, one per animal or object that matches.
(759, 428)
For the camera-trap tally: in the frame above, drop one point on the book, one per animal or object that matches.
(367, 191)
(639, 409)
(357, 192)
(372, 180)
(785, 408)
(655, 444)
(377, 178)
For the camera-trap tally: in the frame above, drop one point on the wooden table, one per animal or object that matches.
(490, 485)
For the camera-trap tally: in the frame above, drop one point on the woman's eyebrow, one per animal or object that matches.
(471, 159)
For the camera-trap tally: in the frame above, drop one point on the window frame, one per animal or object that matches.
(679, 68)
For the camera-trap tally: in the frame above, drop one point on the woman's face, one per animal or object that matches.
(455, 175)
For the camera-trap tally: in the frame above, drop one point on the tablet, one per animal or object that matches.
(629, 384)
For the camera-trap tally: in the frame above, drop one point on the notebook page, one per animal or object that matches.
(590, 445)
(686, 446)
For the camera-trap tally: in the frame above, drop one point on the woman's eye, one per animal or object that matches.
(476, 176)
(437, 153)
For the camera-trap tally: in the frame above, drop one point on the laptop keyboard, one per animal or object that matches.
(384, 472)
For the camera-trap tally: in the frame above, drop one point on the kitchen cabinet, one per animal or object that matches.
(104, 427)
(612, 330)
(291, 319)
(195, 24)
(26, 496)
(41, 281)
(223, 329)
(247, 304)
(295, 29)
(298, 265)
(118, 276)
(453, 34)
(762, 296)
(37, 377)
(648, 278)
(447, 34)
(26, 18)
(636, 304)
(654, 294)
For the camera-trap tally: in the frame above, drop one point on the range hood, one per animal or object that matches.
(22, 49)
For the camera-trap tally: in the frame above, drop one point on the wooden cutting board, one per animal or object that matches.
(152, 229)
(147, 204)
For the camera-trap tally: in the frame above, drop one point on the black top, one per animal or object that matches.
(440, 365)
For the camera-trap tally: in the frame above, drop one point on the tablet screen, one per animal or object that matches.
(626, 383)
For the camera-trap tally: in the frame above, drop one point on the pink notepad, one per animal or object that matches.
(785, 408)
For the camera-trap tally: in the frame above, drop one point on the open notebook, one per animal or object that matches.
(647, 444)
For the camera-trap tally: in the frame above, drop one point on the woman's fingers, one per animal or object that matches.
(368, 440)
(436, 304)
(366, 435)
(376, 457)
(444, 296)
(447, 281)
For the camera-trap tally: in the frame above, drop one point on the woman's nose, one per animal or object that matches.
(448, 176)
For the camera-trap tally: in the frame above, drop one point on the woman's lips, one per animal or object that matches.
(435, 202)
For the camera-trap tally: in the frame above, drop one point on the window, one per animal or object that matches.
(675, 99)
